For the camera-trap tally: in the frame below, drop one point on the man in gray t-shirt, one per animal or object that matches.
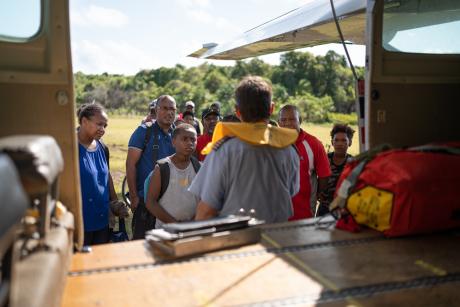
(240, 175)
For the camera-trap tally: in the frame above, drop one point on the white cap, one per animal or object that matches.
(189, 103)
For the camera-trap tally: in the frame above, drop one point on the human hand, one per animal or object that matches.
(124, 211)
(119, 208)
(134, 199)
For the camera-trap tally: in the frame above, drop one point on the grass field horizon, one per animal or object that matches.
(120, 129)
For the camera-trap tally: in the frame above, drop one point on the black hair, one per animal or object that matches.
(182, 128)
(215, 105)
(290, 107)
(209, 111)
(344, 129)
(89, 110)
(254, 97)
(231, 118)
(188, 113)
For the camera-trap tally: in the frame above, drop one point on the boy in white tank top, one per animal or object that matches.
(177, 204)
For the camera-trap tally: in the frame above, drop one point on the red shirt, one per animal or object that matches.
(201, 142)
(309, 148)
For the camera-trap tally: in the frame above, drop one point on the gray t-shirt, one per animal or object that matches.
(177, 200)
(239, 175)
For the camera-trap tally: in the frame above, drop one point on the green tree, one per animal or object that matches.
(193, 76)
(318, 85)
(313, 109)
(163, 75)
(280, 94)
(214, 80)
(255, 67)
(239, 71)
(180, 90)
(225, 95)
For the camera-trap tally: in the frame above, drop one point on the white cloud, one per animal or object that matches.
(193, 3)
(299, 2)
(99, 16)
(200, 16)
(221, 23)
(76, 18)
(285, 3)
(117, 57)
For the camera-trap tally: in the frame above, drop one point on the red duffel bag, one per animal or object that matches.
(402, 192)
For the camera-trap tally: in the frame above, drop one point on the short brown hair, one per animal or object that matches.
(254, 97)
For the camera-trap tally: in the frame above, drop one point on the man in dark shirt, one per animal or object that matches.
(140, 160)
(209, 117)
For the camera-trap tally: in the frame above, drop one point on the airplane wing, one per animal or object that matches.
(310, 25)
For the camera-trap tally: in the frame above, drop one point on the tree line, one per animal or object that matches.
(322, 87)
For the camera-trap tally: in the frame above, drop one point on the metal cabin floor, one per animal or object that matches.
(295, 264)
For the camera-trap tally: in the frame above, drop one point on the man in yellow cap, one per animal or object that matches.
(255, 166)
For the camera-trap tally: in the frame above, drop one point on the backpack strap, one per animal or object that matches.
(195, 163)
(156, 147)
(296, 149)
(164, 174)
(148, 133)
(221, 142)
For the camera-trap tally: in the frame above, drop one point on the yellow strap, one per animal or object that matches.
(253, 133)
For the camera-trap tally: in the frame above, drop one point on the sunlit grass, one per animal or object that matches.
(117, 136)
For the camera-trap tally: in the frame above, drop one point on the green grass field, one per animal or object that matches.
(120, 129)
(116, 137)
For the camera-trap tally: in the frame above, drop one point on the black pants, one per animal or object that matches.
(142, 221)
(97, 236)
(323, 209)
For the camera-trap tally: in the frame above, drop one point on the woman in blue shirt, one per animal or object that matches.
(96, 183)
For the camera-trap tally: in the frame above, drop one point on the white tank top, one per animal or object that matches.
(177, 200)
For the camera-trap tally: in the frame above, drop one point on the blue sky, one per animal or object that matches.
(119, 36)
